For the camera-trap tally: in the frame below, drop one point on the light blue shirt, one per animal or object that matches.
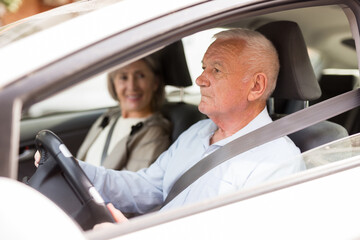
(143, 190)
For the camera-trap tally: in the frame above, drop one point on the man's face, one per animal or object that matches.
(222, 83)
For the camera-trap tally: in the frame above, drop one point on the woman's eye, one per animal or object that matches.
(140, 75)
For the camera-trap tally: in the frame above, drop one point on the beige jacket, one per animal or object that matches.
(136, 151)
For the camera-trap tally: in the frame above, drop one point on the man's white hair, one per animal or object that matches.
(262, 55)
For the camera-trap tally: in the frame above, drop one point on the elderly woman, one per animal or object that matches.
(133, 136)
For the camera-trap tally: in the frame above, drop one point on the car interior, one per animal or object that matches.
(297, 81)
(300, 83)
(176, 73)
(333, 85)
(182, 115)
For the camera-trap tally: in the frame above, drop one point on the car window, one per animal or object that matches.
(93, 94)
(90, 94)
(332, 152)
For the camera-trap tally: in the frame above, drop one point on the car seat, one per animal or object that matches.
(297, 81)
(335, 84)
(176, 73)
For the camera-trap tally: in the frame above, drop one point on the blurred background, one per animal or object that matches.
(13, 10)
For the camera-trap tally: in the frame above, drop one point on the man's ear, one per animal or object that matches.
(259, 85)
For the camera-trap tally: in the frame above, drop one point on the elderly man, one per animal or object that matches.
(239, 73)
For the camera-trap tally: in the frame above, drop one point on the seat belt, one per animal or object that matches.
(279, 128)
(107, 142)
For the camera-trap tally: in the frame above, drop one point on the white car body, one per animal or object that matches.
(320, 203)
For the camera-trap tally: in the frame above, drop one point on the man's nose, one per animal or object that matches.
(202, 80)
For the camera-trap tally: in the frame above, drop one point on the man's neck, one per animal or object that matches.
(229, 125)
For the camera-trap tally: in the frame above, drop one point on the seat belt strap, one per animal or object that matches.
(107, 142)
(279, 128)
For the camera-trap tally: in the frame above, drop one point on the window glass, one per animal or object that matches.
(90, 94)
(335, 151)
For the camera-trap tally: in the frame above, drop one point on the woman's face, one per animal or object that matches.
(135, 85)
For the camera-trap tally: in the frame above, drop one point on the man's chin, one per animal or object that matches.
(203, 109)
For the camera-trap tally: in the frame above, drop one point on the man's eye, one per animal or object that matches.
(216, 70)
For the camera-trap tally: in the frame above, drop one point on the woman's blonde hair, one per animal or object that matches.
(159, 94)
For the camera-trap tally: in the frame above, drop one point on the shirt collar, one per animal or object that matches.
(260, 120)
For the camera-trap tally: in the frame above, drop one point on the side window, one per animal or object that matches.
(93, 93)
(90, 94)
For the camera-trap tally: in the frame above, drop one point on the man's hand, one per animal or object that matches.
(117, 215)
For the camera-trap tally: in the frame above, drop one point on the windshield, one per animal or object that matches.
(335, 151)
(28, 26)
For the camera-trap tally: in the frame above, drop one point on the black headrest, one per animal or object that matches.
(296, 79)
(333, 85)
(174, 67)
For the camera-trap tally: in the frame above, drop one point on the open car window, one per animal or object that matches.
(93, 93)
(87, 95)
(342, 149)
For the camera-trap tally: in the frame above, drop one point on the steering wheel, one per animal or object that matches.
(60, 178)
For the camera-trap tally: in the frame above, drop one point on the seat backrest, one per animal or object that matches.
(182, 116)
(176, 73)
(297, 81)
(335, 84)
